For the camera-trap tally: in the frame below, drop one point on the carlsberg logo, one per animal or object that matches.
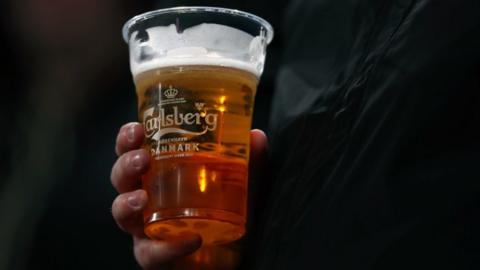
(157, 127)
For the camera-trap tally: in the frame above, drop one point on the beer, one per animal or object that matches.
(196, 70)
(197, 120)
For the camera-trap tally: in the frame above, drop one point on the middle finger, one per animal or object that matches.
(128, 169)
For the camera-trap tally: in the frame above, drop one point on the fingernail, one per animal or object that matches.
(137, 161)
(134, 202)
(130, 134)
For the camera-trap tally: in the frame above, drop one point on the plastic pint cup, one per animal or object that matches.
(196, 71)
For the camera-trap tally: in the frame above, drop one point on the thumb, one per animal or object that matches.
(258, 151)
(258, 177)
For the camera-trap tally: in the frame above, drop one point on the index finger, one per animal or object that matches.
(130, 137)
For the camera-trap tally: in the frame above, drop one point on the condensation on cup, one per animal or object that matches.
(196, 71)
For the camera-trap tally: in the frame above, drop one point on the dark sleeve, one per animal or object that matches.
(375, 140)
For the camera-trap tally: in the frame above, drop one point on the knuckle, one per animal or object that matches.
(139, 130)
(126, 220)
(116, 173)
(117, 208)
(122, 137)
(128, 125)
(125, 161)
(119, 144)
(131, 141)
(136, 161)
(128, 169)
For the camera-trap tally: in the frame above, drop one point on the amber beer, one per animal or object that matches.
(197, 120)
(196, 70)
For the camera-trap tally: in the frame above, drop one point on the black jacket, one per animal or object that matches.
(374, 141)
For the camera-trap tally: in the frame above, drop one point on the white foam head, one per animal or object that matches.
(203, 44)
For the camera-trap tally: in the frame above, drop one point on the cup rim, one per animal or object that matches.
(197, 9)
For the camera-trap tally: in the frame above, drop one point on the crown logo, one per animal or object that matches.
(170, 92)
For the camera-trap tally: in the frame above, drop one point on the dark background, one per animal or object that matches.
(384, 92)
(66, 90)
